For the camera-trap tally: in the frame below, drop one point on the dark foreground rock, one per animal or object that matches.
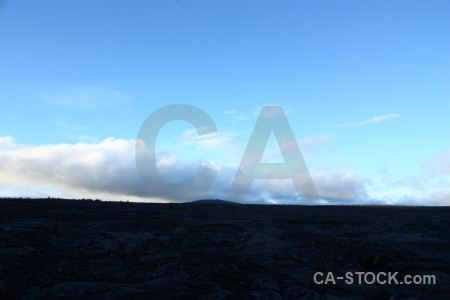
(52, 249)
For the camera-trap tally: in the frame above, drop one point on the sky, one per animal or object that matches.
(364, 86)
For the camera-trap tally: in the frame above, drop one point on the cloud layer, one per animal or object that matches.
(108, 170)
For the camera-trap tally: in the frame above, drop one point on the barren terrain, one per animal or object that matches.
(83, 249)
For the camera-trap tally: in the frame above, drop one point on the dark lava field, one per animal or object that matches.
(84, 249)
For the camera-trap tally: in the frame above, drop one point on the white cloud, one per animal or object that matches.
(340, 187)
(428, 187)
(441, 198)
(107, 170)
(102, 167)
(101, 170)
(374, 119)
(379, 119)
(7, 142)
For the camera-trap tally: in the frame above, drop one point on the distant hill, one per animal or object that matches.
(213, 201)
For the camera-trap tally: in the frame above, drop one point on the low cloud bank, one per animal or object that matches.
(107, 170)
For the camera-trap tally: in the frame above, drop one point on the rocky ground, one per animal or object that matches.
(51, 249)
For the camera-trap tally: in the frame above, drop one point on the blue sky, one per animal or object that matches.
(365, 85)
